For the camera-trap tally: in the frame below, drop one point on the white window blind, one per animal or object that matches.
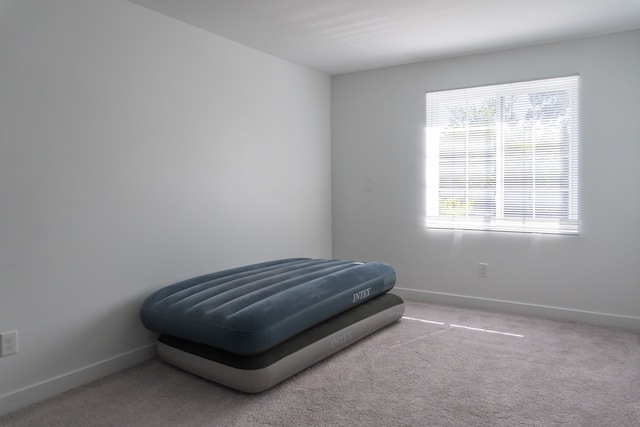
(504, 157)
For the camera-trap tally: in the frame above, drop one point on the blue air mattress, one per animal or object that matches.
(257, 373)
(251, 309)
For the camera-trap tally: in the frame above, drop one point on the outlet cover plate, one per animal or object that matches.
(8, 343)
(483, 270)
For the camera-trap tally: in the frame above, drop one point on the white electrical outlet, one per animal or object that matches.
(483, 270)
(9, 341)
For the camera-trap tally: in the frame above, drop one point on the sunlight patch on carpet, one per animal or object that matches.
(422, 320)
(470, 328)
(487, 331)
(422, 337)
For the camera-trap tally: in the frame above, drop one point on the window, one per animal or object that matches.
(504, 157)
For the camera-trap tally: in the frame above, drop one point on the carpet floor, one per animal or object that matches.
(438, 366)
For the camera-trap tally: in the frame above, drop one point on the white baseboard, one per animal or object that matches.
(52, 387)
(557, 313)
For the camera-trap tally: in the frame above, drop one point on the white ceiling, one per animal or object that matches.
(340, 36)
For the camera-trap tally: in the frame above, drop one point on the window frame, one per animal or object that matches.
(459, 217)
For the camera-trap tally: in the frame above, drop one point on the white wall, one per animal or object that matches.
(136, 151)
(378, 120)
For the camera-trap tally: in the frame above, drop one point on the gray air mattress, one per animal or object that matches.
(254, 374)
(249, 310)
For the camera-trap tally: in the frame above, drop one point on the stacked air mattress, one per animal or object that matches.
(252, 327)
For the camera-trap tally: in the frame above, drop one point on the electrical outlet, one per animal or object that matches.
(9, 341)
(483, 270)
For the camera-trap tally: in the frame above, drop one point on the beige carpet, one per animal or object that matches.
(439, 366)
